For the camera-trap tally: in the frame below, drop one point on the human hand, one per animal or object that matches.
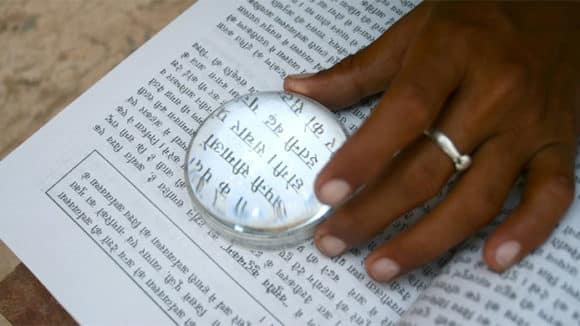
(502, 81)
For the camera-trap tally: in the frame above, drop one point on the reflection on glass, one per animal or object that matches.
(252, 165)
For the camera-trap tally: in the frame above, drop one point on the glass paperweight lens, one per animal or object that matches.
(252, 166)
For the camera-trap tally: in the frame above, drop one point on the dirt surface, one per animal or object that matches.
(51, 52)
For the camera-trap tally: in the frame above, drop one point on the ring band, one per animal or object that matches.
(460, 161)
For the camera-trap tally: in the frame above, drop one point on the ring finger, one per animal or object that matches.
(414, 176)
(475, 200)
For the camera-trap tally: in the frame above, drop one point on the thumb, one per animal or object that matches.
(365, 73)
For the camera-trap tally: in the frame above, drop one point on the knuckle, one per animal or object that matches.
(351, 62)
(421, 179)
(513, 77)
(533, 123)
(490, 202)
(469, 32)
(462, 34)
(456, 28)
(412, 101)
(351, 68)
(559, 189)
(483, 208)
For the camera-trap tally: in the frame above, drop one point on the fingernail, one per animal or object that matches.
(384, 269)
(506, 253)
(331, 246)
(334, 191)
(301, 76)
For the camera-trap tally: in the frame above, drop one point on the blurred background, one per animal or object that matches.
(51, 51)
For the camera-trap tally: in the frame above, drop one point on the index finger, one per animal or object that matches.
(410, 106)
(365, 73)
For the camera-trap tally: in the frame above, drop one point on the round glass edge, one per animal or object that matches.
(253, 237)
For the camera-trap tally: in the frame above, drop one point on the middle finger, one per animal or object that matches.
(415, 175)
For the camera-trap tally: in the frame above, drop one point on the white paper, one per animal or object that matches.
(95, 202)
(542, 289)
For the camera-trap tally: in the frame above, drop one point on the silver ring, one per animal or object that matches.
(461, 161)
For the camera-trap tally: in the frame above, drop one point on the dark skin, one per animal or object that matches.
(502, 80)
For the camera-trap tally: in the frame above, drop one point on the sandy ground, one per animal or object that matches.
(50, 52)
